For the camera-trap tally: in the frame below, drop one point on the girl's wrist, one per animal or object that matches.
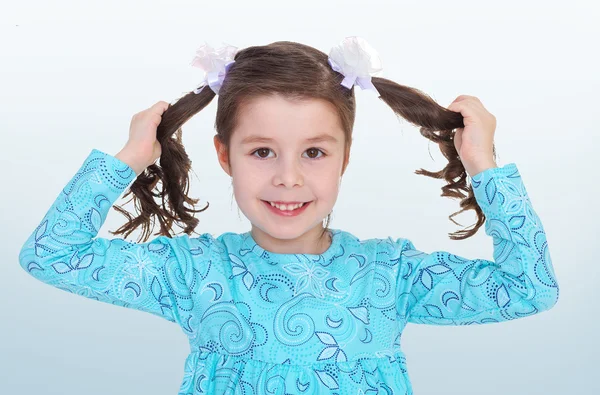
(129, 159)
(473, 170)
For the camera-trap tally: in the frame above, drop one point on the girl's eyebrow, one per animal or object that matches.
(316, 139)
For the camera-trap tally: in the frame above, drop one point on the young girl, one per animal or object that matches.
(291, 306)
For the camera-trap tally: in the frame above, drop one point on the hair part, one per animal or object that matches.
(296, 72)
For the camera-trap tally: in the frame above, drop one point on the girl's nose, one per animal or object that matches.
(288, 173)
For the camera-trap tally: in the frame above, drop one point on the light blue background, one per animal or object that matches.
(74, 73)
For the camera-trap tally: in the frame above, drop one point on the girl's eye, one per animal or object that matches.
(313, 153)
(261, 150)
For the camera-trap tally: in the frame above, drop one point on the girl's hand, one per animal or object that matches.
(142, 149)
(475, 142)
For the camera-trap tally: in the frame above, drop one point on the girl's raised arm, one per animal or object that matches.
(445, 289)
(158, 277)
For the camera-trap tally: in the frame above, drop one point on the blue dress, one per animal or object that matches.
(267, 323)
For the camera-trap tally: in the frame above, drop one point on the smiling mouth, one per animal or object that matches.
(290, 209)
(285, 204)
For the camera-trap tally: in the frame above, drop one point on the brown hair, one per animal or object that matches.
(295, 71)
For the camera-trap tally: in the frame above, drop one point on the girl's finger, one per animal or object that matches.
(159, 108)
(467, 97)
(456, 106)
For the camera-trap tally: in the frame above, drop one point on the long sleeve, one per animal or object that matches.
(63, 250)
(441, 288)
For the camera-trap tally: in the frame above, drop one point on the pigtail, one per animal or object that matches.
(436, 124)
(173, 174)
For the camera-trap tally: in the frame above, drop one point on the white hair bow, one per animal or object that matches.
(357, 61)
(215, 63)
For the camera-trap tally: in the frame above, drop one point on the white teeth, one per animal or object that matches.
(286, 207)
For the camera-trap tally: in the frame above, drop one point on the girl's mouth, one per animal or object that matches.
(286, 213)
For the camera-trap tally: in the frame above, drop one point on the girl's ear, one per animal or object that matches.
(346, 161)
(222, 155)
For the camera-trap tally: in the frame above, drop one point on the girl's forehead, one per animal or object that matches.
(269, 119)
(276, 108)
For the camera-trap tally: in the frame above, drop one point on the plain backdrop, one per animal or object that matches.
(73, 73)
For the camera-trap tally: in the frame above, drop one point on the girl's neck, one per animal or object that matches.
(310, 242)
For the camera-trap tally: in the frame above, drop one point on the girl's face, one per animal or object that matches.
(290, 152)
